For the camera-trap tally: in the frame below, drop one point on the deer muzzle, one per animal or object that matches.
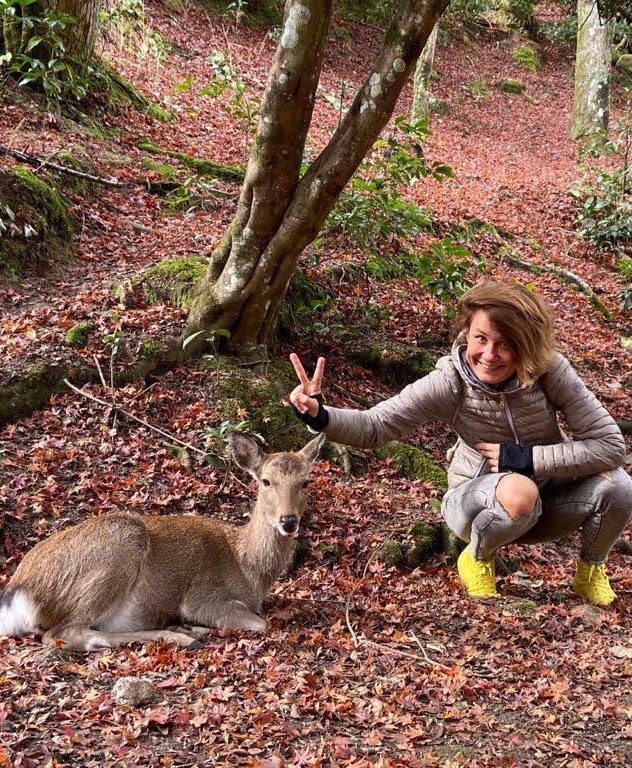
(289, 525)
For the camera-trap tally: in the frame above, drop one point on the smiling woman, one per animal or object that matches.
(513, 474)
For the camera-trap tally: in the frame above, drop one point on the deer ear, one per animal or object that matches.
(246, 452)
(312, 449)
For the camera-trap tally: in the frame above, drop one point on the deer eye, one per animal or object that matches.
(305, 483)
(265, 481)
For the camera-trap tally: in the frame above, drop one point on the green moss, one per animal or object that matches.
(527, 56)
(166, 172)
(48, 200)
(148, 348)
(397, 364)
(427, 539)
(77, 336)
(172, 281)
(31, 391)
(119, 91)
(260, 400)
(302, 306)
(511, 85)
(392, 553)
(39, 227)
(413, 463)
(199, 165)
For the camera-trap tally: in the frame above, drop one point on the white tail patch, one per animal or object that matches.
(17, 616)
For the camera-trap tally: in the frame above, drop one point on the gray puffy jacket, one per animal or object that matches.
(480, 414)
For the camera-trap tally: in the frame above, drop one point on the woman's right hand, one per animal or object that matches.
(302, 396)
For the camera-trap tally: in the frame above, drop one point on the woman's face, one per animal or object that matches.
(488, 353)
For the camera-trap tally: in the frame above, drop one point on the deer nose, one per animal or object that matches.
(289, 523)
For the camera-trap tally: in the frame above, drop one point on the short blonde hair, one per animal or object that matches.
(522, 317)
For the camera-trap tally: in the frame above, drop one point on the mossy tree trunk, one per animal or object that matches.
(279, 212)
(79, 38)
(421, 85)
(593, 64)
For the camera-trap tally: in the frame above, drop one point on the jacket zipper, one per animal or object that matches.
(504, 404)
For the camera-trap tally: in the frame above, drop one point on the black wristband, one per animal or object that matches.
(515, 457)
(315, 423)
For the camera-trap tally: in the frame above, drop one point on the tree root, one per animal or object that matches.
(564, 274)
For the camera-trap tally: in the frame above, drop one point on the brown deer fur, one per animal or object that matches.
(123, 578)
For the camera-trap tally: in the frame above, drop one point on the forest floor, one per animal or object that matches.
(363, 665)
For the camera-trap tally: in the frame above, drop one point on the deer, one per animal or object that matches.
(122, 578)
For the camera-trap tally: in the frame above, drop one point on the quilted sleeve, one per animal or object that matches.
(595, 443)
(434, 396)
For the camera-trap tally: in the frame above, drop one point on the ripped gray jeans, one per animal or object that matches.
(599, 506)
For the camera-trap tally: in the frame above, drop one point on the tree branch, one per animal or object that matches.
(38, 162)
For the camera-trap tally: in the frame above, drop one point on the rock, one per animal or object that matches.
(132, 691)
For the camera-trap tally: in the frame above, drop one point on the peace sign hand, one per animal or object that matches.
(302, 396)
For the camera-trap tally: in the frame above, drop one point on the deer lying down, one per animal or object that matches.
(121, 578)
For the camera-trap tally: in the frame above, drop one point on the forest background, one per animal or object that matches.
(373, 656)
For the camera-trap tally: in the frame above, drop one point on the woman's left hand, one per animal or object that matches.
(491, 451)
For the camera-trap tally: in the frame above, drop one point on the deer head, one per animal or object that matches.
(281, 477)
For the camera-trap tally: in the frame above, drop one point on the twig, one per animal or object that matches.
(135, 418)
(38, 162)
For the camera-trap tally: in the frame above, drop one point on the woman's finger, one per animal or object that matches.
(300, 371)
(317, 378)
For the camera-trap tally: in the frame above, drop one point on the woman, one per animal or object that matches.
(513, 475)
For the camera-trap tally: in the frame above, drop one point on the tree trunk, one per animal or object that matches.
(421, 86)
(279, 213)
(593, 63)
(78, 38)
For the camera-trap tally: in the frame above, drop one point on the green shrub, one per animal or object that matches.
(605, 208)
(43, 62)
(371, 213)
(522, 16)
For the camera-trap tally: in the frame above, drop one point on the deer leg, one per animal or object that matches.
(197, 633)
(77, 637)
(229, 613)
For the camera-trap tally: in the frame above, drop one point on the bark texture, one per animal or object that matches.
(421, 85)
(591, 102)
(79, 38)
(279, 212)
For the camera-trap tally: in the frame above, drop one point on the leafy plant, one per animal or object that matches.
(371, 212)
(44, 62)
(446, 268)
(241, 105)
(522, 16)
(605, 208)
(562, 30)
(194, 192)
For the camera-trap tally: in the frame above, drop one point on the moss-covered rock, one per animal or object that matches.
(171, 281)
(396, 364)
(413, 463)
(392, 553)
(36, 226)
(24, 394)
(77, 336)
(257, 400)
(511, 85)
(427, 540)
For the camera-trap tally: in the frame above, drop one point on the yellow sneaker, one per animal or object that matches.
(591, 582)
(478, 576)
